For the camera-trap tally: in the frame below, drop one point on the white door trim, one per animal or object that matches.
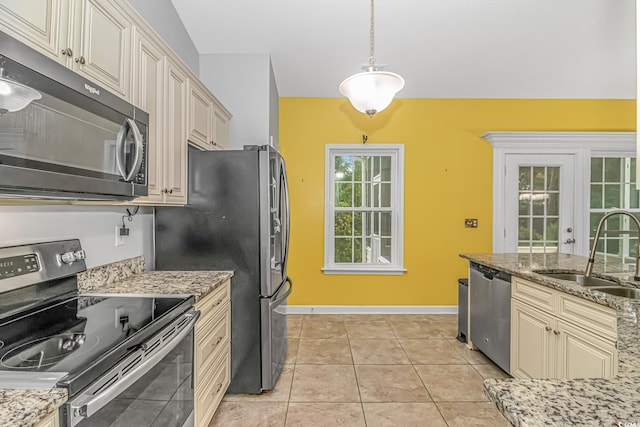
(579, 144)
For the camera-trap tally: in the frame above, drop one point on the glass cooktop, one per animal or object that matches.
(73, 337)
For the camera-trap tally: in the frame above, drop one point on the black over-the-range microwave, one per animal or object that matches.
(63, 136)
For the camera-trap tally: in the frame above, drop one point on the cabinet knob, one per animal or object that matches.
(171, 191)
(547, 328)
(556, 332)
(80, 60)
(67, 52)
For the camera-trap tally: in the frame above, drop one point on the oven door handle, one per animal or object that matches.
(86, 408)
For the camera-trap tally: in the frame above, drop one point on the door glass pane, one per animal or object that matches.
(538, 208)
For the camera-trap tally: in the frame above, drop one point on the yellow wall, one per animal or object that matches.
(448, 175)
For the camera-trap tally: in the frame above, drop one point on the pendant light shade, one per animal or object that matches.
(15, 96)
(372, 90)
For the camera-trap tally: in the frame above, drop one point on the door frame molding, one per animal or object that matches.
(582, 145)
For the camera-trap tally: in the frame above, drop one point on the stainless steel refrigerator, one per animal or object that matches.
(237, 218)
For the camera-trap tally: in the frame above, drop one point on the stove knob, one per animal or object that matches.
(80, 255)
(68, 257)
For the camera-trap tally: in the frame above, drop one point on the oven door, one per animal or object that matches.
(153, 386)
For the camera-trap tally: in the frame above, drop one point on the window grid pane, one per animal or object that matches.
(363, 209)
(538, 209)
(613, 187)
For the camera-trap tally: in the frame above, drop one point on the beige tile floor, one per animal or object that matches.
(374, 371)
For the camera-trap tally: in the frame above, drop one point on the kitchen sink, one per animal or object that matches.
(620, 291)
(580, 279)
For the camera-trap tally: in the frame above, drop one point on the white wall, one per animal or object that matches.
(93, 225)
(241, 83)
(162, 16)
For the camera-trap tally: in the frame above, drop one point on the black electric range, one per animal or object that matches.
(50, 335)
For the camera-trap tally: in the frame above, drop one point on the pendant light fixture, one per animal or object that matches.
(15, 96)
(372, 90)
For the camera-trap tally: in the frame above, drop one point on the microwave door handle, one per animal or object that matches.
(97, 402)
(139, 149)
(121, 139)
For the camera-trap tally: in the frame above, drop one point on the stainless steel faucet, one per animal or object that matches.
(592, 255)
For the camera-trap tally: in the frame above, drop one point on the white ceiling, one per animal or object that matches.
(443, 48)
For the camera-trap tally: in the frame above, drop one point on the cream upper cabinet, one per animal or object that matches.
(41, 24)
(556, 335)
(175, 162)
(148, 94)
(221, 119)
(93, 37)
(200, 116)
(101, 45)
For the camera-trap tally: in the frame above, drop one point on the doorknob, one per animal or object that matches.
(570, 241)
(569, 230)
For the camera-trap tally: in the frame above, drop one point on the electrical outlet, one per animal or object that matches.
(120, 238)
(471, 223)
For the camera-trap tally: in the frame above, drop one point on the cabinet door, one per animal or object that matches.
(221, 132)
(104, 46)
(148, 91)
(584, 355)
(41, 24)
(176, 134)
(200, 117)
(50, 421)
(532, 342)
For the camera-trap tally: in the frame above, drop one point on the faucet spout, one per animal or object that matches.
(592, 254)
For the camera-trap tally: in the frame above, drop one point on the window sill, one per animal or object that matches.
(369, 270)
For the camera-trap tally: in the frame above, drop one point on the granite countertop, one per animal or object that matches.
(197, 283)
(583, 402)
(26, 408)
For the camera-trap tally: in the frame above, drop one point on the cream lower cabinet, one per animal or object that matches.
(50, 421)
(212, 354)
(556, 335)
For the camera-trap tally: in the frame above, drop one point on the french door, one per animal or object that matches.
(539, 203)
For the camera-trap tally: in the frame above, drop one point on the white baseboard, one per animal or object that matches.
(372, 309)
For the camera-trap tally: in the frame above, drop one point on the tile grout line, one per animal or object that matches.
(355, 374)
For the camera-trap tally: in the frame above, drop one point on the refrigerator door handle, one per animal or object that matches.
(287, 225)
(281, 299)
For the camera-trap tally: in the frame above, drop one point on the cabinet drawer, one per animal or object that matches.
(589, 315)
(210, 391)
(212, 302)
(211, 340)
(538, 296)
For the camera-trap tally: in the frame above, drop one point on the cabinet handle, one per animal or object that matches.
(556, 332)
(217, 303)
(547, 328)
(80, 60)
(218, 389)
(171, 191)
(214, 345)
(67, 52)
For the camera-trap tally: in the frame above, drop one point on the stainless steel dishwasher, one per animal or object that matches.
(490, 313)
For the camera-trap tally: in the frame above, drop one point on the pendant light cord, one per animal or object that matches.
(372, 52)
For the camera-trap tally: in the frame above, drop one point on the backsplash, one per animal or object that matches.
(95, 278)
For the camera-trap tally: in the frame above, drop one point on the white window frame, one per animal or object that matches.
(582, 145)
(396, 151)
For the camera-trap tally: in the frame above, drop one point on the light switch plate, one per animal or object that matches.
(471, 223)
(120, 240)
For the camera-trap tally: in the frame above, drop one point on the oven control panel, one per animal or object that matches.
(18, 265)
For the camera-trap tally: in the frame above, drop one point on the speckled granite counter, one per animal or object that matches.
(198, 283)
(581, 402)
(26, 408)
